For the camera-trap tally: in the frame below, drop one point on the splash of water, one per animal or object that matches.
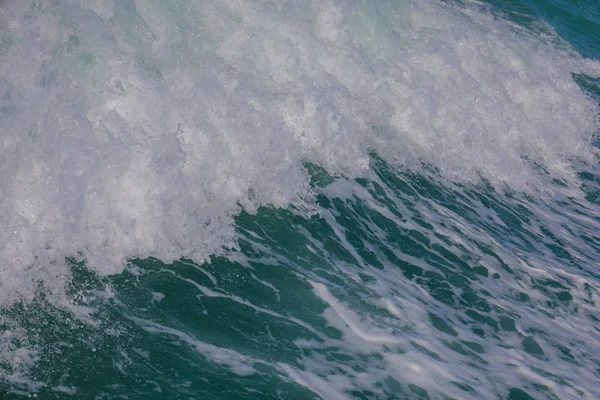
(140, 128)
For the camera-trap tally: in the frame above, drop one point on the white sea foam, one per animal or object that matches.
(140, 128)
(434, 357)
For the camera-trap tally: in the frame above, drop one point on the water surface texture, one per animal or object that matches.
(328, 199)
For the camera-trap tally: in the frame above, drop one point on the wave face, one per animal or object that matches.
(299, 199)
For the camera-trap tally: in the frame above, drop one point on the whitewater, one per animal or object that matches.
(251, 199)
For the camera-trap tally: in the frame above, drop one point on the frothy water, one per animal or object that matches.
(403, 194)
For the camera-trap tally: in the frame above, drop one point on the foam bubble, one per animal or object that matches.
(140, 128)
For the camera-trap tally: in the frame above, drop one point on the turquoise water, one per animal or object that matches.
(299, 200)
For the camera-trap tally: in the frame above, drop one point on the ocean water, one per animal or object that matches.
(320, 199)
